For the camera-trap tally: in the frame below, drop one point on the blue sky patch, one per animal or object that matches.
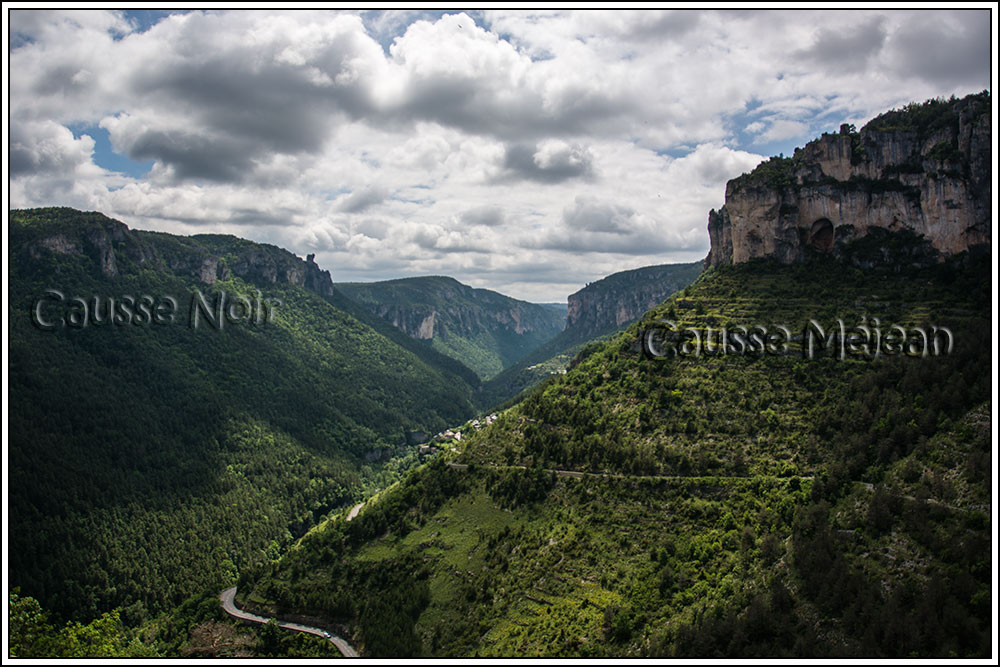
(105, 157)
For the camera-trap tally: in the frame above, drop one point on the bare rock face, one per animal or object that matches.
(57, 243)
(923, 170)
(264, 264)
(314, 278)
(426, 330)
(616, 300)
(100, 240)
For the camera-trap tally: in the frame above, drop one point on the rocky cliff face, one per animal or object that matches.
(612, 302)
(924, 170)
(423, 322)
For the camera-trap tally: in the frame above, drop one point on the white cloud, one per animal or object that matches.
(783, 129)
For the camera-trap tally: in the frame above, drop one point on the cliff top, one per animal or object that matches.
(921, 119)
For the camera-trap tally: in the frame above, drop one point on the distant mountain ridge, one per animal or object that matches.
(483, 329)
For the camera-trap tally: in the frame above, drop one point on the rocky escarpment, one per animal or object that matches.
(923, 172)
(100, 239)
(111, 245)
(613, 302)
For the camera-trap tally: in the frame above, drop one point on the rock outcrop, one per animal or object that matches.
(613, 302)
(436, 306)
(923, 171)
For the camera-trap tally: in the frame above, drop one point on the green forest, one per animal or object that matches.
(151, 462)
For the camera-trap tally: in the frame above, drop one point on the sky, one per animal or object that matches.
(525, 151)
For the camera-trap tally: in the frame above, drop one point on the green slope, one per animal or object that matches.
(148, 462)
(714, 506)
(482, 329)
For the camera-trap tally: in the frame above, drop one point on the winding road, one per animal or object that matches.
(229, 605)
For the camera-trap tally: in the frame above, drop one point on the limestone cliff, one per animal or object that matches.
(614, 301)
(923, 171)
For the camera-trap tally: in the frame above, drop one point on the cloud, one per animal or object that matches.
(374, 228)
(35, 25)
(183, 154)
(552, 161)
(846, 48)
(943, 48)
(446, 241)
(488, 216)
(781, 129)
(710, 166)
(593, 215)
(362, 200)
(42, 147)
(507, 144)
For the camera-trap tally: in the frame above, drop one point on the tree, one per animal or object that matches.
(31, 635)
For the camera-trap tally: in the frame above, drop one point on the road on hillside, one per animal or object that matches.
(229, 605)
(607, 475)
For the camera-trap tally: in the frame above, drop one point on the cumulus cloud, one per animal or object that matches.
(593, 215)
(780, 129)
(846, 48)
(942, 48)
(41, 147)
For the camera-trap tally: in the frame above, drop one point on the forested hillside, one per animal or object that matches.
(485, 330)
(747, 504)
(151, 458)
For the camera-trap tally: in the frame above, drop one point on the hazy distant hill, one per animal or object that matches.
(485, 330)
